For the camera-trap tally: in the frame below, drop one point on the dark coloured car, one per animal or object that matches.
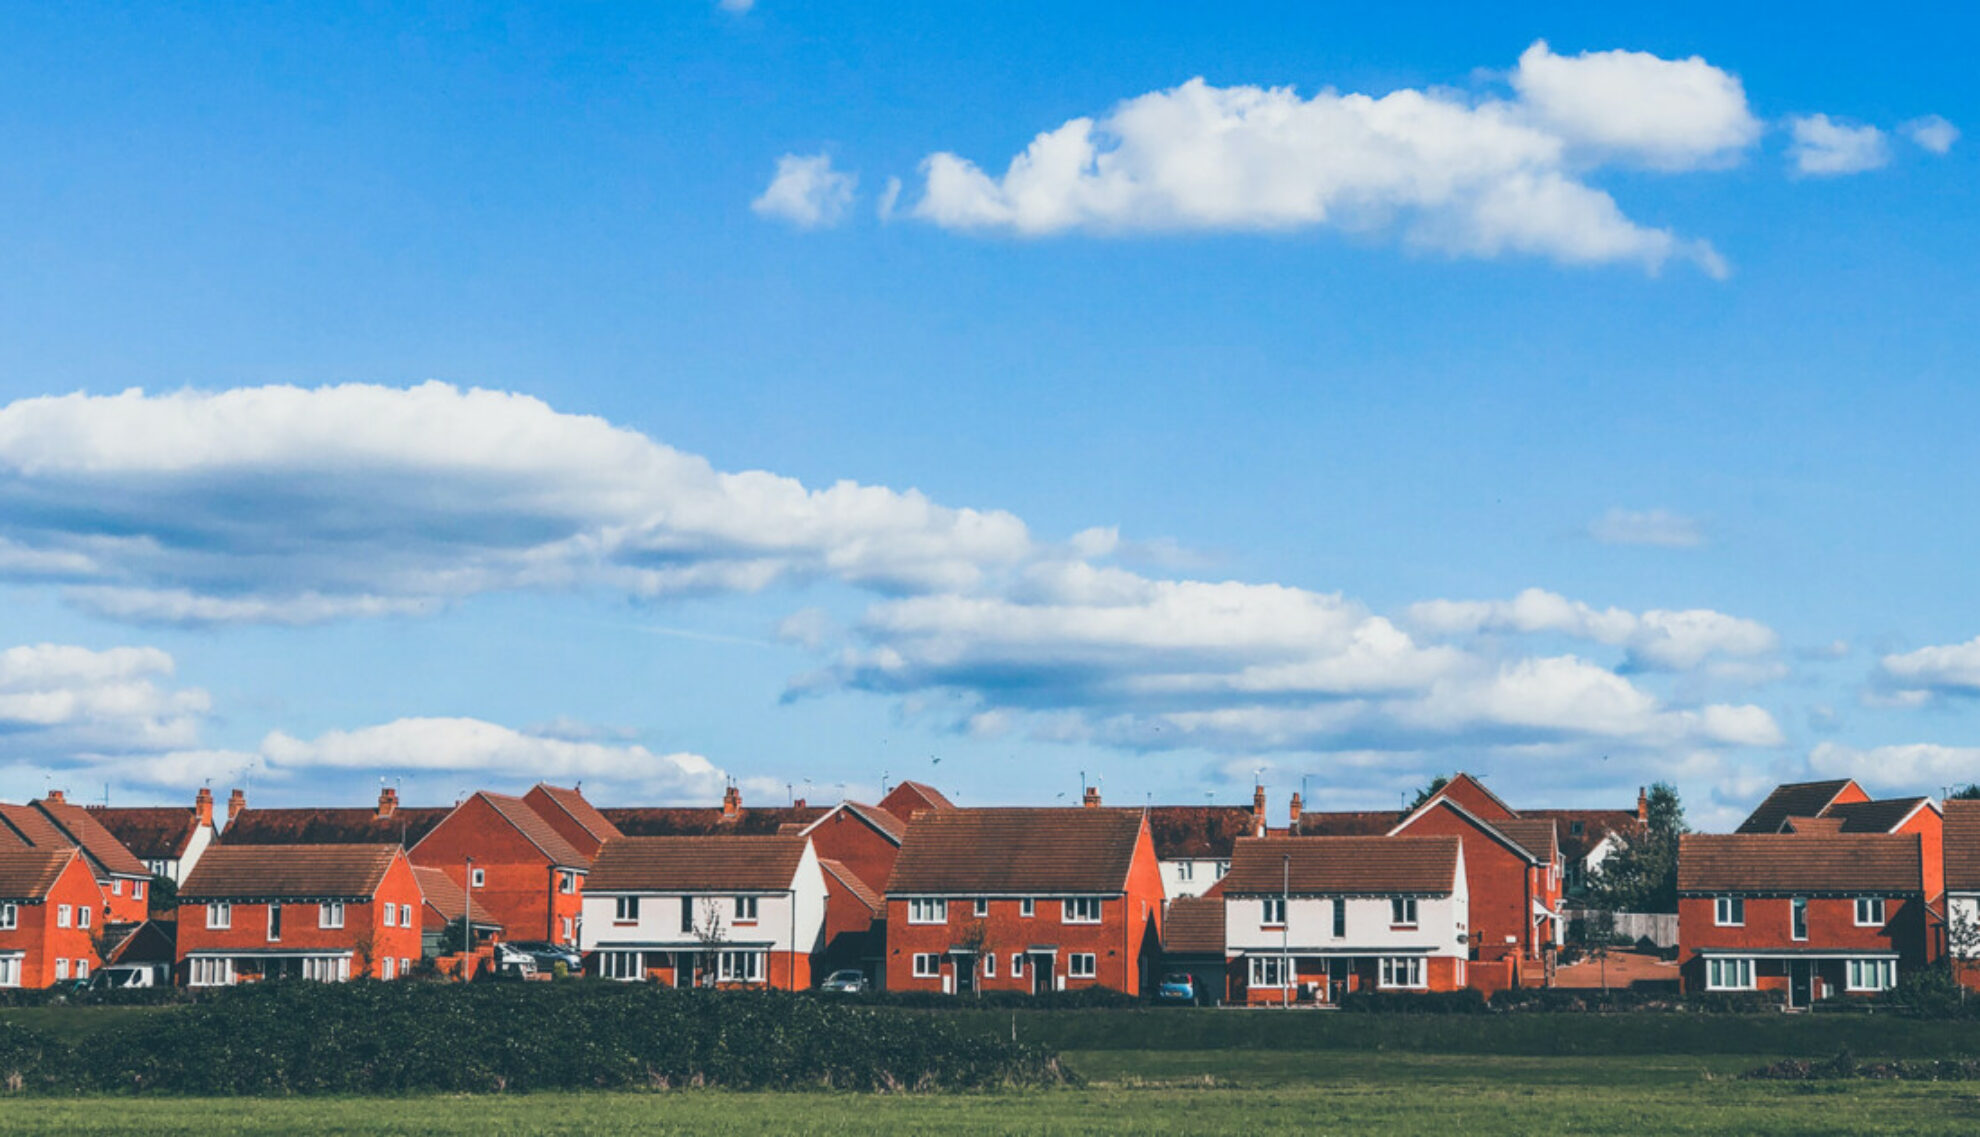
(848, 982)
(538, 955)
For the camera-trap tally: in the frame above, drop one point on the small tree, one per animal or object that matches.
(1968, 792)
(1642, 876)
(1962, 940)
(972, 941)
(364, 947)
(1428, 792)
(712, 935)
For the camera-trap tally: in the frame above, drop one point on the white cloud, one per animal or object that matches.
(1658, 639)
(57, 700)
(1920, 767)
(1931, 133)
(1670, 114)
(285, 505)
(1461, 176)
(1657, 527)
(807, 192)
(1823, 147)
(889, 197)
(1942, 669)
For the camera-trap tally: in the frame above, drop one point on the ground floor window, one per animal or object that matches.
(10, 971)
(61, 969)
(325, 968)
(1404, 972)
(989, 965)
(388, 968)
(741, 967)
(621, 964)
(1082, 965)
(1017, 965)
(1872, 974)
(927, 965)
(211, 972)
(1270, 971)
(82, 969)
(1729, 975)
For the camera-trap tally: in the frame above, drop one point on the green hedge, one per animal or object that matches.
(368, 1038)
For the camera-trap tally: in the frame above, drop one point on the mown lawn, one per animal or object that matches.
(1151, 1092)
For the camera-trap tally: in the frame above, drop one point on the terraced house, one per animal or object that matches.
(251, 913)
(1024, 900)
(1311, 919)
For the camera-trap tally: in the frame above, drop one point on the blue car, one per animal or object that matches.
(1177, 987)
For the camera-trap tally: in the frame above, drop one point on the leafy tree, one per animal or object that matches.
(162, 899)
(1962, 940)
(1969, 792)
(1427, 792)
(1642, 876)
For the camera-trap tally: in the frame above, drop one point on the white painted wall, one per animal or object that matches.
(1963, 906)
(183, 867)
(1201, 874)
(1442, 923)
(778, 915)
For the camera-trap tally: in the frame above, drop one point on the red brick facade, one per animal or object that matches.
(42, 936)
(364, 933)
(1832, 929)
(1505, 885)
(533, 895)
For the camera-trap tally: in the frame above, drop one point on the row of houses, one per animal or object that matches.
(1821, 893)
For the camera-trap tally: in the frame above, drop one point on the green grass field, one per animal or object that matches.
(1256, 1073)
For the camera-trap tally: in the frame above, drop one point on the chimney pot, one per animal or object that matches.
(203, 806)
(1642, 804)
(1298, 808)
(731, 803)
(388, 801)
(1092, 799)
(57, 796)
(236, 802)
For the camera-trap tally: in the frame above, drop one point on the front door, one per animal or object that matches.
(965, 965)
(1800, 983)
(1041, 973)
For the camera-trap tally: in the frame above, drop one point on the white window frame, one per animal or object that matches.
(1729, 973)
(207, 971)
(117, 886)
(1017, 965)
(220, 916)
(1875, 906)
(64, 914)
(1082, 965)
(1870, 975)
(83, 915)
(566, 882)
(1080, 910)
(61, 969)
(624, 966)
(478, 878)
(405, 916)
(391, 915)
(565, 925)
(82, 969)
(137, 890)
(389, 968)
(1270, 971)
(625, 909)
(1729, 912)
(743, 966)
(10, 971)
(989, 965)
(1402, 912)
(746, 910)
(1798, 918)
(330, 914)
(980, 907)
(1027, 907)
(1403, 973)
(928, 910)
(927, 965)
(1272, 911)
(10, 917)
(1185, 870)
(275, 923)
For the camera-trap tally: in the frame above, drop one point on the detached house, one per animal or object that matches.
(1313, 918)
(327, 912)
(1028, 900)
(1794, 807)
(167, 839)
(48, 925)
(520, 870)
(1810, 915)
(705, 911)
(52, 823)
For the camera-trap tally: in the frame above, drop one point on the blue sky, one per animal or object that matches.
(1578, 408)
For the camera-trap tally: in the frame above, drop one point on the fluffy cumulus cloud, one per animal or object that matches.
(285, 505)
(1823, 147)
(1913, 677)
(57, 700)
(1655, 527)
(1457, 174)
(1915, 768)
(1932, 133)
(1655, 640)
(807, 192)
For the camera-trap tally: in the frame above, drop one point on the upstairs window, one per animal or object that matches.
(1027, 907)
(1869, 911)
(137, 890)
(982, 907)
(391, 915)
(330, 914)
(687, 915)
(116, 888)
(1340, 917)
(10, 916)
(1798, 910)
(274, 923)
(1082, 910)
(63, 915)
(625, 910)
(1729, 911)
(1185, 870)
(1273, 911)
(1402, 911)
(82, 916)
(405, 916)
(928, 910)
(478, 878)
(567, 882)
(220, 915)
(745, 909)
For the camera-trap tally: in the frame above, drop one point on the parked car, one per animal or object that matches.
(1177, 987)
(540, 955)
(850, 981)
(118, 976)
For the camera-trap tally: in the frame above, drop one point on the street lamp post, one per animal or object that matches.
(1285, 932)
(467, 922)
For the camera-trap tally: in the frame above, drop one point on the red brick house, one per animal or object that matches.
(52, 823)
(388, 824)
(1789, 808)
(855, 925)
(864, 839)
(1962, 881)
(1811, 915)
(574, 818)
(1514, 868)
(1799, 799)
(445, 904)
(50, 908)
(723, 911)
(1311, 919)
(523, 872)
(909, 798)
(328, 912)
(167, 839)
(1024, 900)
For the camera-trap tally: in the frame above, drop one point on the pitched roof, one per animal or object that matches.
(107, 855)
(696, 864)
(1593, 825)
(25, 827)
(1811, 825)
(893, 828)
(1016, 851)
(552, 801)
(28, 874)
(1194, 926)
(1343, 865)
(151, 833)
(849, 880)
(339, 826)
(1539, 836)
(1962, 845)
(1538, 844)
(910, 797)
(535, 830)
(304, 872)
(1196, 832)
(1482, 800)
(1792, 862)
(447, 898)
(1348, 823)
(1792, 799)
(1882, 816)
(688, 821)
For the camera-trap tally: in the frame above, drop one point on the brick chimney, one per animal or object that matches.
(57, 796)
(1258, 811)
(1092, 799)
(1298, 810)
(1642, 804)
(236, 802)
(388, 801)
(203, 806)
(731, 803)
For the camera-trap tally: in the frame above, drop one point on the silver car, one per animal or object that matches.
(850, 981)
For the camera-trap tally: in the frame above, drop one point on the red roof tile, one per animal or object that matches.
(151, 833)
(696, 864)
(29, 828)
(550, 800)
(1962, 844)
(1582, 829)
(26, 875)
(1347, 823)
(338, 826)
(909, 798)
(1334, 866)
(299, 872)
(536, 830)
(1790, 862)
(849, 880)
(1810, 825)
(1197, 832)
(1194, 925)
(1792, 799)
(1881, 816)
(107, 854)
(959, 852)
(446, 898)
(688, 821)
